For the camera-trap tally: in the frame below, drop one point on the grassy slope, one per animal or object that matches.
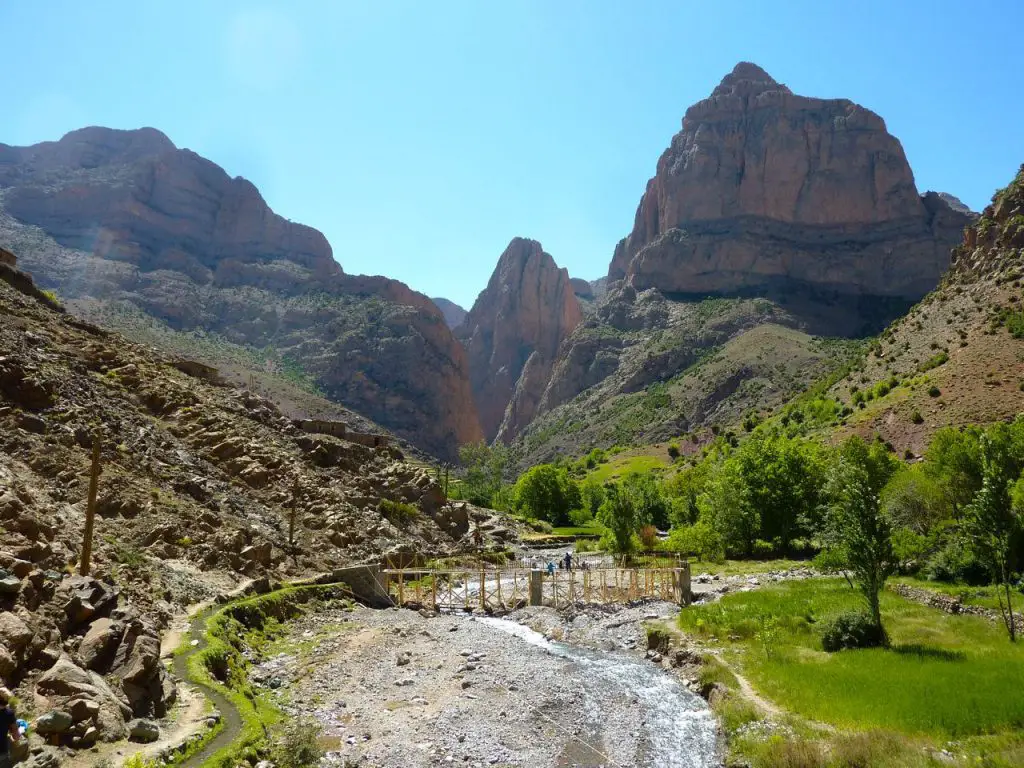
(944, 677)
(754, 368)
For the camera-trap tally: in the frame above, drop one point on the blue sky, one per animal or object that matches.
(421, 136)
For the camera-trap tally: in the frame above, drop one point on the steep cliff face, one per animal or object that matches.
(766, 191)
(125, 217)
(524, 314)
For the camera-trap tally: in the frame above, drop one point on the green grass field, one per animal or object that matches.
(944, 676)
(621, 465)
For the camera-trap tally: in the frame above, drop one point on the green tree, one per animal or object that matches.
(725, 506)
(994, 520)
(592, 496)
(856, 532)
(916, 499)
(619, 515)
(485, 469)
(953, 458)
(546, 492)
(783, 477)
(684, 489)
(645, 493)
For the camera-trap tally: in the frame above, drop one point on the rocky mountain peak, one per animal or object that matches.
(526, 311)
(765, 191)
(109, 218)
(747, 78)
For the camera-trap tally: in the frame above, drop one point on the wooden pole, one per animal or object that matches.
(90, 510)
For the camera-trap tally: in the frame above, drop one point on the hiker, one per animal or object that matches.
(551, 572)
(568, 561)
(9, 732)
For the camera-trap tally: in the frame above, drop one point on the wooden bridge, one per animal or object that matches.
(506, 589)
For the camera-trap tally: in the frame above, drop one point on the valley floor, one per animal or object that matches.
(395, 688)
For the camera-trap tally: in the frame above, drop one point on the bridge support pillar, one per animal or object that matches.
(536, 587)
(681, 584)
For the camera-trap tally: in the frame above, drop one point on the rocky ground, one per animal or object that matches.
(395, 687)
(200, 482)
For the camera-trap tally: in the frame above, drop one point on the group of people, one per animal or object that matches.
(565, 564)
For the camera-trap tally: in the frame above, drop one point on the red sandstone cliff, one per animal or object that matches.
(524, 314)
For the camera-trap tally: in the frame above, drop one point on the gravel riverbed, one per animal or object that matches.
(395, 688)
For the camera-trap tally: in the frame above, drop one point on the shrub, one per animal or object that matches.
(649, 537)
(852, 629)
(398, 513)
(762, 548)
(298, 746)
(581, 517)
(673, 450)
(957, 563)
(916, 417)
(934, 391)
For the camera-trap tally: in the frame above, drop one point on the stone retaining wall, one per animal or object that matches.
(949, 604)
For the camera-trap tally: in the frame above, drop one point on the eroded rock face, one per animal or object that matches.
(524, 314)
(766, 191)
(131, 218)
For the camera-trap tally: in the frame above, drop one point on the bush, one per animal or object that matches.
(852, 629)
(699, 539)
(934, 391)
(916, 417)
(957, 564)
(581, 517)
(299, 745)
(398, 513)
(673, 450)
(762, 549)
(649, 537)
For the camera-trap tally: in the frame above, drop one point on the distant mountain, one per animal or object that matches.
(453, 313)
(513, 333)
(773, 220)
(123, 219)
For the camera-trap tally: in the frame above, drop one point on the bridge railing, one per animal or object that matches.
(508, 588)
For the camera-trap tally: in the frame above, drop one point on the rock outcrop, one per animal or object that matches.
(767, 192)
(453, 313)
(513, 333)
(130, 219)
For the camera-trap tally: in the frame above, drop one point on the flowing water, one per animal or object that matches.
(678, 730)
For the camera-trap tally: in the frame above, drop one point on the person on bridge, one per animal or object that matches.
(568, 561)
(551, 568)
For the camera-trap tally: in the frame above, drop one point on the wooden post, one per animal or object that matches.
(465, 590)
(483, 593)
(500, 604)
(604, 586)
(90, 510)
(401, 588)
(433, 590)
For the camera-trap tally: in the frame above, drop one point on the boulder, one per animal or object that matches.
(9, 585)
(99, 644)
(54, 721)
(14, 634)
(144, 731)
(83, 709)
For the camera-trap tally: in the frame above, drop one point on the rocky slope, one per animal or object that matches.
(513, 333)
(453, 313)
(765, 192)
(123, 217)
(956, 357)
(199, 483)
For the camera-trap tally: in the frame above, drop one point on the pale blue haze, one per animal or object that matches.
(421, 136)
